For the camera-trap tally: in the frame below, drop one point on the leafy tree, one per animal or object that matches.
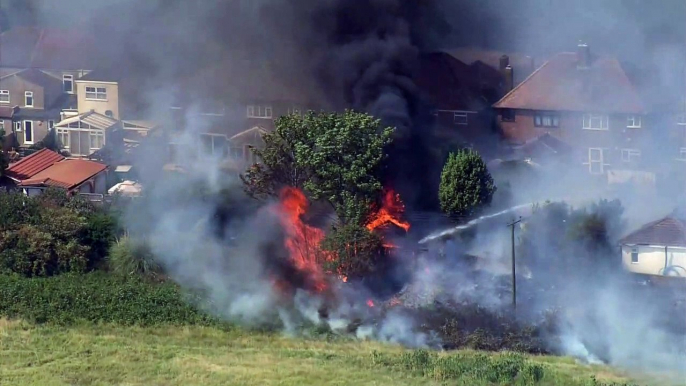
(334, 157)
(466, 185)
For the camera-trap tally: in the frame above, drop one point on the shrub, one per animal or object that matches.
(356, 251)
(99, 233)
(466, 185)
(131, 257)
(95, 297)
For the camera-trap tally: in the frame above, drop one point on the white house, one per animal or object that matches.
(658, 248)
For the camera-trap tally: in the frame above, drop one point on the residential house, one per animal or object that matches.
(86, 133)
(64, 54)
(657, 248)
(99, 92)
(29, 166)
(522, 65)
(35, 99)
(76, 176)
(460, 96)
(584, 100)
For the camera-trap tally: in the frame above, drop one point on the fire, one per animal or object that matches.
(370, 303)
(390, 212)
(302, 241)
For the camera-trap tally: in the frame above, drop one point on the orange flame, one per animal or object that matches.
(391, 210)
(302, 241)
(370, 303)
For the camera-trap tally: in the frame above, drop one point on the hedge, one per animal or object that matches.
(96, 297)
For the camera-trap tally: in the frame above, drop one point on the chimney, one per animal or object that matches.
(504, 62)
(583, 56)
(508, 74)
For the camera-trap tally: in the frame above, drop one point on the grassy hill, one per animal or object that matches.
(90, 354)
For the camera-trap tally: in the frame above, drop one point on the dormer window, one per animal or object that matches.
(96, 93)
(28, 99)
(259, 111)
(633, 121)
(68, 83)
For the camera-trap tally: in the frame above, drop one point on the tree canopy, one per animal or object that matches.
(466, 184)
(335, 157)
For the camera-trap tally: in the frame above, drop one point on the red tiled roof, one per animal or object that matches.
(450, 84)
(669, 231)
(559, 85)
(29, 166)
(67, 174)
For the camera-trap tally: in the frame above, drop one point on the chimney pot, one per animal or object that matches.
(508, 74)
(504, 62)
(583, 56)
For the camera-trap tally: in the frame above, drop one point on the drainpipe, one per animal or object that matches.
(664, 271)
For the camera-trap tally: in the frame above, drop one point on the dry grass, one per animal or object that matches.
(109, 355)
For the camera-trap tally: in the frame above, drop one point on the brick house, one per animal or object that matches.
(586, 101)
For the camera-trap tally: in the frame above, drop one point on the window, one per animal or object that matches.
(97, 140)
(596, 161)
(460, 118)
(214, 145)
(546, 120)
(96, 93)
(634, 255)
(4, 96)
(680, 118)
(2, 124)
(17, 127)
(257, 111)
(630, 155)
(595, 122)
(508, 115)
(28, 99)
(51, 124)
(63, 138)
(28, 132)
(633, 121)
(68, 83)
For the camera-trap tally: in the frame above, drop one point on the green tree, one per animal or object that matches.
(334, 157)
(466, 185)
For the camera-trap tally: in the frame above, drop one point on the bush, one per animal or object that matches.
(356, 251)
(51, 233)
(95, 297)
(131, 257)
(466, 185)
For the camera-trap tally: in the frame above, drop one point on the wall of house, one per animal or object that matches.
(40, 130)
(616, 138)
(652, 260)
(17, 86)
(96, 185)
(100, 106)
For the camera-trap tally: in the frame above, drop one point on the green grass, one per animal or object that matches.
(91, 354)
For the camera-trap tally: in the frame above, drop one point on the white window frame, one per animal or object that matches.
(259, 111)
(214, 150)
(630, 155)
(632, 252)
(68, 78)
(2, 96)
(96, 134)
(682, 154)
(27, 95)
(681, 119)
(461, 119)
(540, 117)
(592, 161)
(51, 124)
(33, 134)
(602, 120)
(94, 93)
(17, 127)
(2, 124)
(634, 121)
(64, 132)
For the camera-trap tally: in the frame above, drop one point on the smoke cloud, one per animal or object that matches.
(363, 54)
